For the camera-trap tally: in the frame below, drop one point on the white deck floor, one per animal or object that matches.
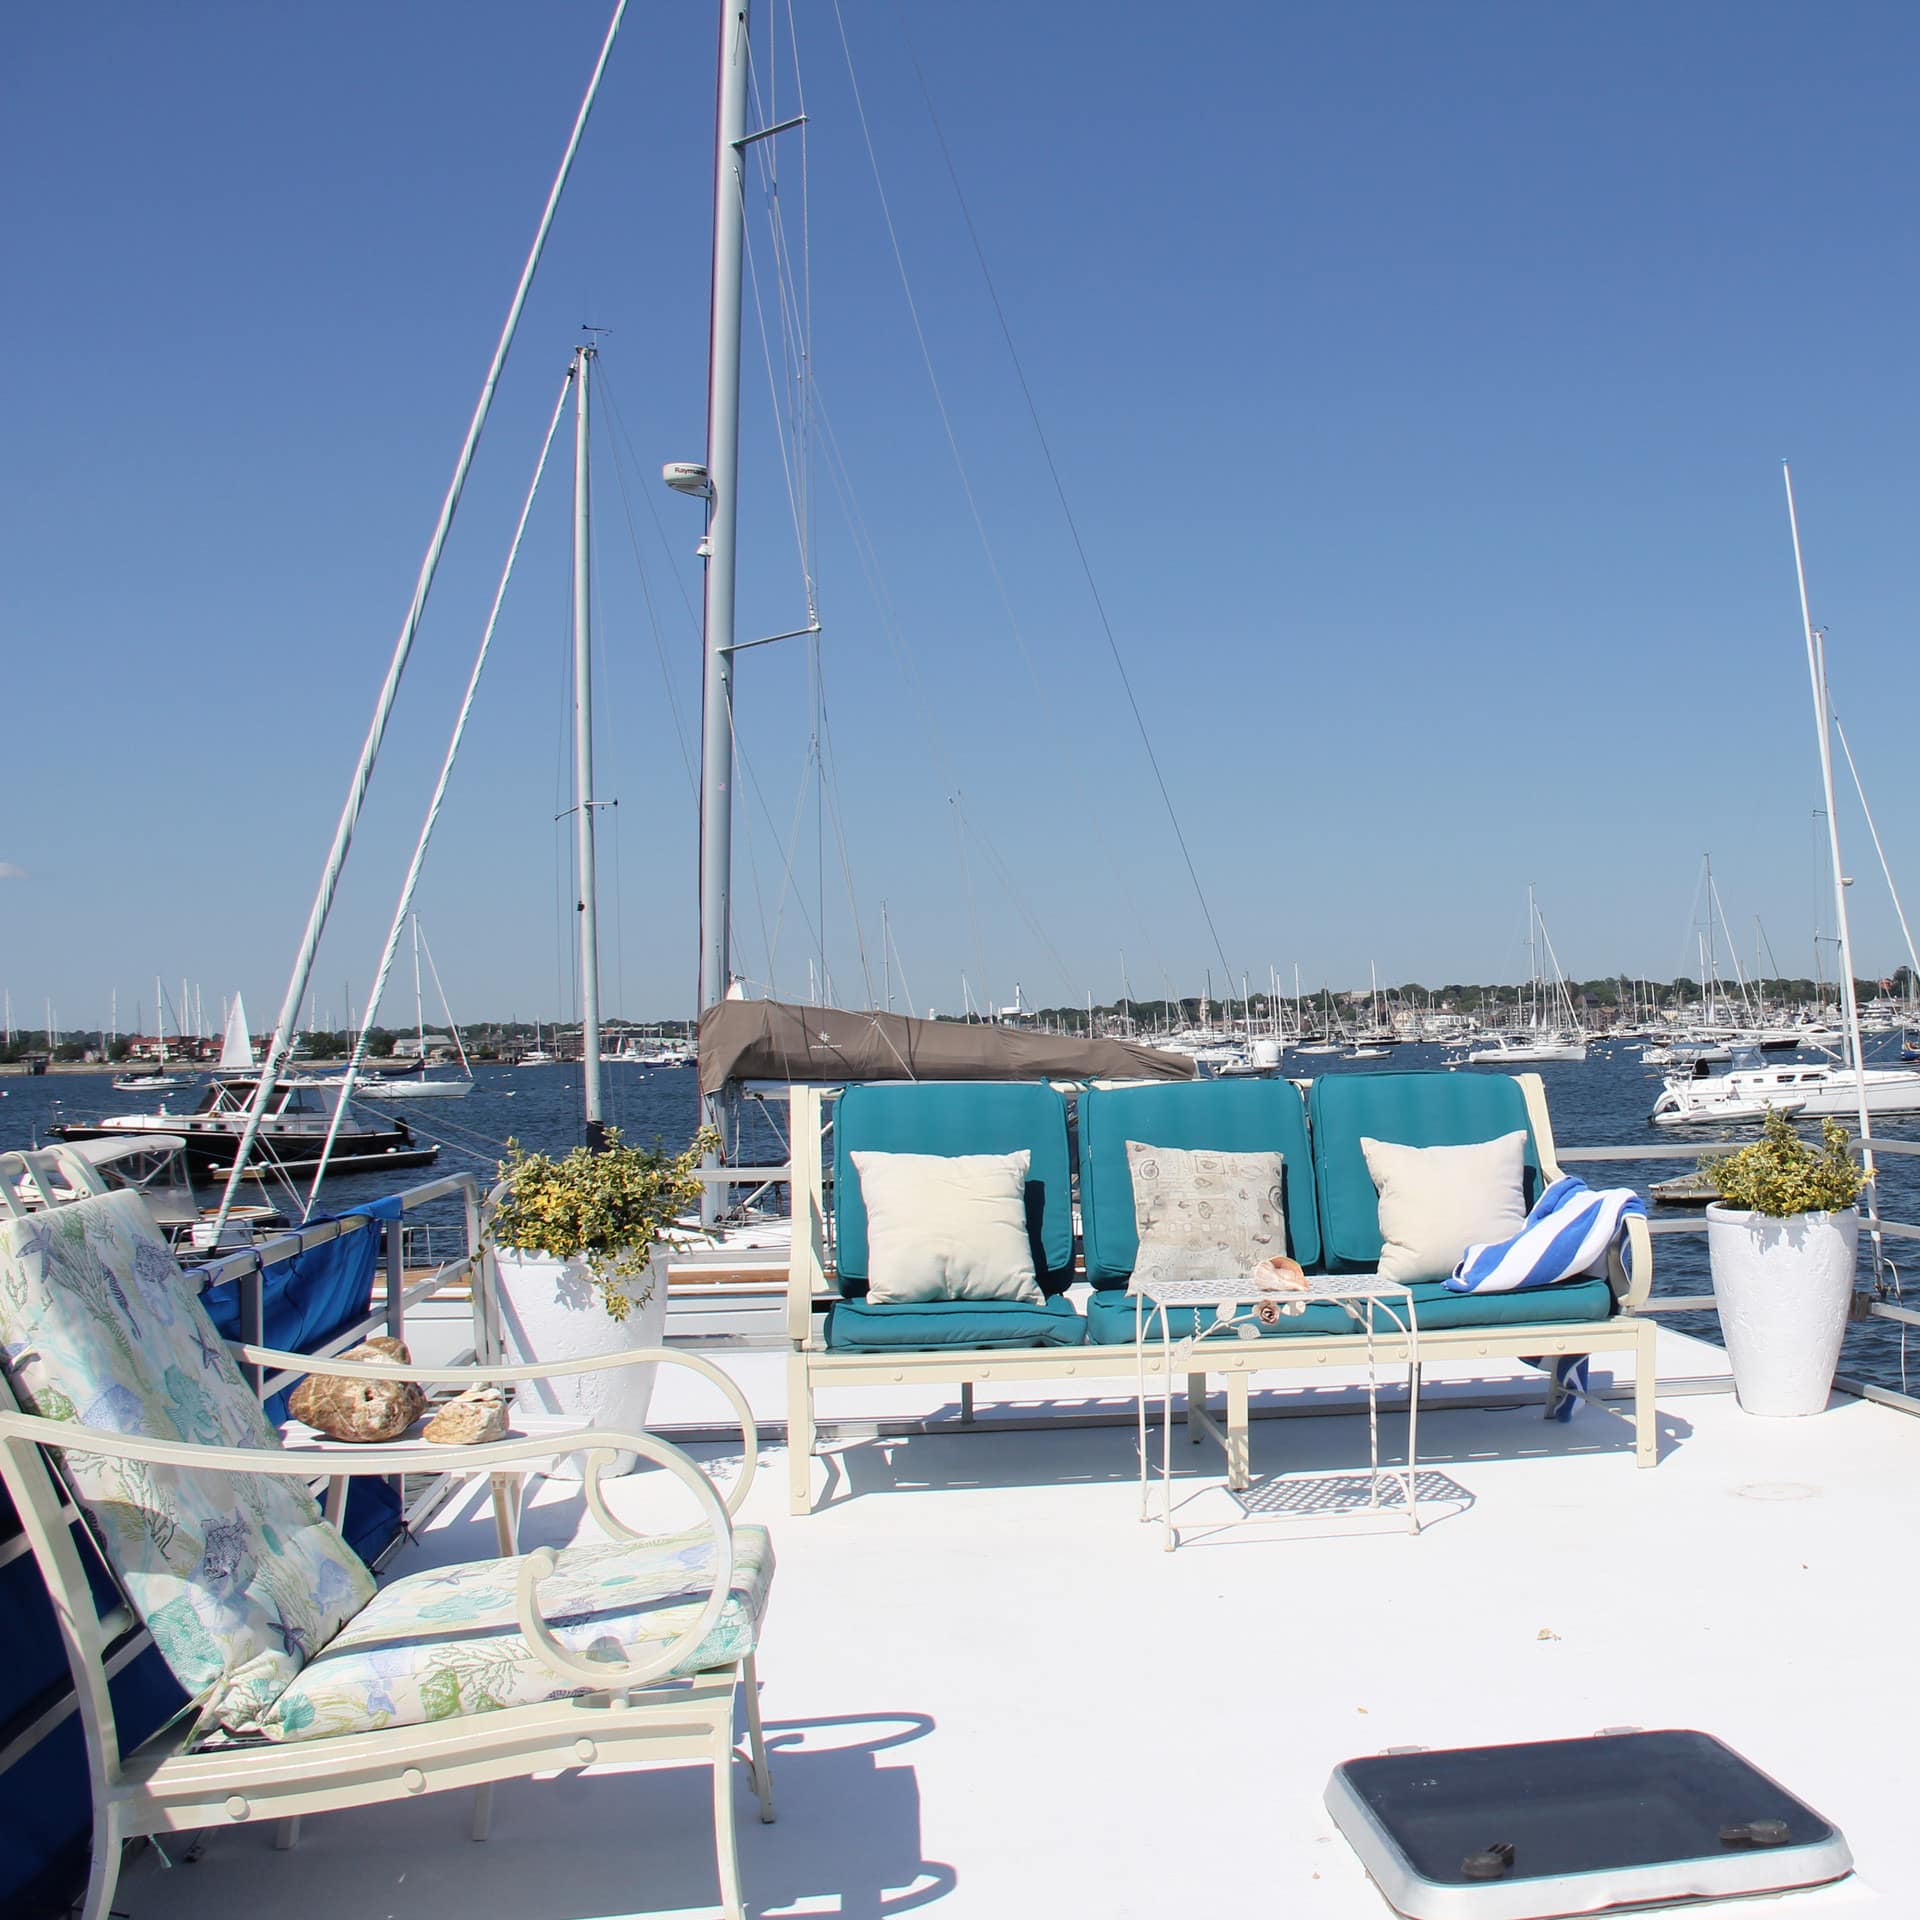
(990, 1693)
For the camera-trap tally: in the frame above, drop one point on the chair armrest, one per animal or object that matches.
(18, 1429)
(605, 1674)
(476, 1376)
(327, 1462)
(1631, 1288)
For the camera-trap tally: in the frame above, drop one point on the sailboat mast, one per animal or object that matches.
(419, 1009)
(1823, 720)
(583, 753)
(723, 503)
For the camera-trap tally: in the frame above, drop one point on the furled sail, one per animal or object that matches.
(771, 1040)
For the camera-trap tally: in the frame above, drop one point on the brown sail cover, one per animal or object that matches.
(770, 1040)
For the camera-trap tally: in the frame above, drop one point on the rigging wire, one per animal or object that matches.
(282, 1040)
(411, 882)
(1059, 485)
(1117, 866)
(646, 586)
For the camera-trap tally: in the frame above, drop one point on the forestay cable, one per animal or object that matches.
(279, 1046)
(405, 903)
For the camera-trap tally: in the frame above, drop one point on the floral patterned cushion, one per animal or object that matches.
(236, 1576)
(436, 1645)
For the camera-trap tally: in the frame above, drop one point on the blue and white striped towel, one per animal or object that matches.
(1568, 1233)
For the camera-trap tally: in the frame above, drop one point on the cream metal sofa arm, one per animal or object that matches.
(334, 1365)
(1632, 1280)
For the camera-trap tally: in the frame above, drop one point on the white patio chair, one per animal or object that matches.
(309, 1689)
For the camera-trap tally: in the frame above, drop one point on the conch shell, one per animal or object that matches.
(1277, 1276)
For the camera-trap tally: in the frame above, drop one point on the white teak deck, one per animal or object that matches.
(989, 1692)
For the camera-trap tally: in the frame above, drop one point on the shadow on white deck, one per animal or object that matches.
(990, 1693)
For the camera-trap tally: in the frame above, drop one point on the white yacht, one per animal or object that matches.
(1813, 1087)
(1528, 1047)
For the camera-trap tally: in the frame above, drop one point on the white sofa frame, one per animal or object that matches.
(635, 1715)
(811, 1364)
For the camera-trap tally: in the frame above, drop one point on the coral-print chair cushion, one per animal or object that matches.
(237, 1577)
(437, 1645)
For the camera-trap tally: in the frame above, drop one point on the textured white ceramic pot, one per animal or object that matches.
(1782, 1288)
(551, 1310)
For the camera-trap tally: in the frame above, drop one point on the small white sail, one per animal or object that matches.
(236, 1047)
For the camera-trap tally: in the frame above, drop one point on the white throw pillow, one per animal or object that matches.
(947, 1227)
(1436, 1202)
(1205, 1215)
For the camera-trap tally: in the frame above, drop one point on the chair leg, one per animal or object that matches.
(726, 1853)
(757, 1742)
(286, 1834)
(966, 1400)
(508, 1490)
(104, 1872)
(1196, 1403)
(799, 1435)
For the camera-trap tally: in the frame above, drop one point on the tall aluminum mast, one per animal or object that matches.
(722, 491)
(723, 507)
(583, 802)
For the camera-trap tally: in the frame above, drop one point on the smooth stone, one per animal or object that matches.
(478, 1415)
(361, 1410)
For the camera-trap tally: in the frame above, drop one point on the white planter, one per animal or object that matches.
(551, 1310)
(1782, 1288)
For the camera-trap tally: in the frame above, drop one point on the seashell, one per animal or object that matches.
(478, 1415)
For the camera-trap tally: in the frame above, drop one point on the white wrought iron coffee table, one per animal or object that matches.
(1236, 1305)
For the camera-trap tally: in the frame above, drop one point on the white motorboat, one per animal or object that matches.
(1528, 1048)
(153, 1082)
(1814, 1088)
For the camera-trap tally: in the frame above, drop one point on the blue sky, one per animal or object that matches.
(1418, 377)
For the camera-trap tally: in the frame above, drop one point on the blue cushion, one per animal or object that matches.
(1230, 1116)
(958, 1116)
(859, 1326)
(1110, 1314)
(1415, 1110)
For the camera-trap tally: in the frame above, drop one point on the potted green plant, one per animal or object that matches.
(1782, 1239)
(572, 1243)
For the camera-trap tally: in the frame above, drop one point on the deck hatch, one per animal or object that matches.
(1559, 1827)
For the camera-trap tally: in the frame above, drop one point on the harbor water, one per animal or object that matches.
(1603, 1102)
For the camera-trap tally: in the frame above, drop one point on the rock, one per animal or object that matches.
(363, 1410)
(477, 1415)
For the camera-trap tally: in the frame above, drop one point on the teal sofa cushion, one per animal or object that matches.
(1568, 1302)
(858, 1326)
(958, 1116)
(1416, 1110)
(1229, 1116)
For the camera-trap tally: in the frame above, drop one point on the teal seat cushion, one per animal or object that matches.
(1110, 1314)
(1227, 1116)
(1415, 1110)
(958, 1116)
(859, 1326)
